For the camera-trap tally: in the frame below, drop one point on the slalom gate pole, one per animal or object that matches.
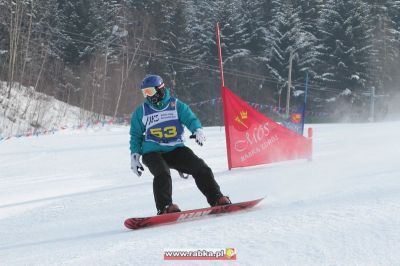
(221, 68)
(221, 72)
(305, 104)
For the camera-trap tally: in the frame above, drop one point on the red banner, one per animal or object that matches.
(253, 138)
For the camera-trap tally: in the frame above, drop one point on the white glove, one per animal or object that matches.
(200, 136)
(135, 164)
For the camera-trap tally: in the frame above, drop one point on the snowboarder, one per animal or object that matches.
(156, 135)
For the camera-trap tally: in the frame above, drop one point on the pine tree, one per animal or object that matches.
(345, 53)
(172, 38)
(308, 12)
(4, 41)
(202, 45)
(248, 45)
(346, 44)
(288, 38)
(73, 18)
(177, 50)
(255, 18)
(384, 34)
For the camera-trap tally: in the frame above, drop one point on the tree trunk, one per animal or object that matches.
(15, 31)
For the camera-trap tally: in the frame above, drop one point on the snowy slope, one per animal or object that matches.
(64, 197)
(27, 109)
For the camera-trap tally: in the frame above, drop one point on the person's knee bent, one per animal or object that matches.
(157, 166)
(203, 171)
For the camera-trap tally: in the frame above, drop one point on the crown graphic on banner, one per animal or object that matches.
(243, 114)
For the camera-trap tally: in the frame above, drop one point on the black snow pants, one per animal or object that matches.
(184, 160)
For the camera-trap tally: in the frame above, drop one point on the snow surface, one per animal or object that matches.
(64, 197)
(26, 107)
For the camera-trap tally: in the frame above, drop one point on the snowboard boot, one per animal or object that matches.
(223, 200)
(169, 209)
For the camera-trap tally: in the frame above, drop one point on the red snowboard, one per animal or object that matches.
(137, 223)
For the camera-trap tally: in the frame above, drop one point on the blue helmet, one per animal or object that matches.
(152, 81)
(153, 89)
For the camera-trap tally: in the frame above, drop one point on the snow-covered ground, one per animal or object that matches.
(64, 197)
(27, 110)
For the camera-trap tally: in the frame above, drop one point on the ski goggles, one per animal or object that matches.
(150, 91)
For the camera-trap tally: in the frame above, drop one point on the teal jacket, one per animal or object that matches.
(137, 141)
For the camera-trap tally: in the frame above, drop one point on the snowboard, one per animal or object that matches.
(142, 222)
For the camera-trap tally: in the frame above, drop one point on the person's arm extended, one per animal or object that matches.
(136, 131)
(187, 117)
